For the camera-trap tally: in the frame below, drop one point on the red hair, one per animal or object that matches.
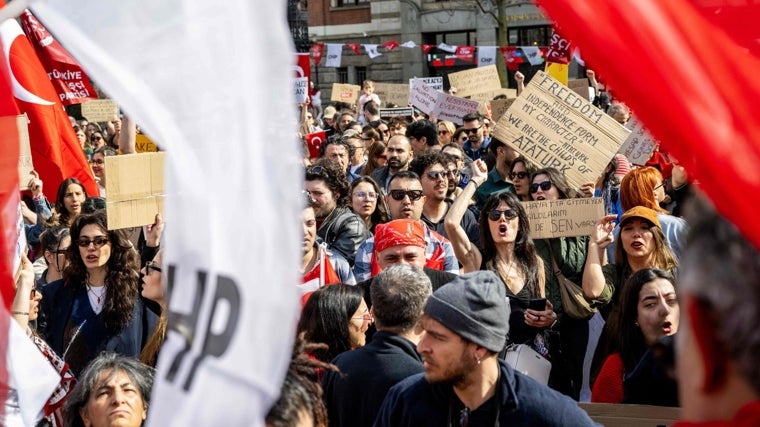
(637, 189)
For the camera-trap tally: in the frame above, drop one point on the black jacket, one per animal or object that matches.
(343, 231)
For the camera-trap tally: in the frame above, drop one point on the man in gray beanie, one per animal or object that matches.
(465, 324)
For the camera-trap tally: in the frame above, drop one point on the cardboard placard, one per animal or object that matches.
(580, 86)
(628, 415)
(100, 110)
(475, 80)
(438, 104)
(489, 95)
(499, 107)
(392, 93)
(342, 92)
(396, 112)
(554, 127)
(639, 145)
(135, 189)
(434, 82)
(564, 218)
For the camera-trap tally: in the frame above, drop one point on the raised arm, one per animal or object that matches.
(520, 80)
(593, 277)
(467, 254)
(127, 135)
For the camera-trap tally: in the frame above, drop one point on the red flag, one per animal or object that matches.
(390, 45)
(56, 152)
(316, 51)
(426, 47)
(708, 121)
(511, 57)
(68, 78)
(354, 47)
(465, 53)
(314, 142)
(559, 49)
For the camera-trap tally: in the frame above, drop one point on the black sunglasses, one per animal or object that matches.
(518, 175)
(545, 186)
(150, 265)
(473, 130)
(99, 241)
(495, 214)
(436, 174)
(316, 171)
(414, 195)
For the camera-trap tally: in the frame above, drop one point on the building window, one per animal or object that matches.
(530, 36)
(344, 3)
(361, 75)
(342, 75)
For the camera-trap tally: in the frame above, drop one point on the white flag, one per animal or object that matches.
(486, 55)
(372, 50)
(534, 54)
(184, 69)
(447, 48)
(334, 55)
(409, 44)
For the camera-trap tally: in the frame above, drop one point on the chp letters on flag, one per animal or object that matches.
(486, 55)
(227, 291)
(334, 55)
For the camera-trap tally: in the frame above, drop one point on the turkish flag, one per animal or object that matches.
(56, 152)
(314, 142)
(390, 45)
(709, 121)
(68, 78)
(354, 47)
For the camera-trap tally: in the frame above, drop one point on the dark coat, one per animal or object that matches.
(343, 231)
(354, 396)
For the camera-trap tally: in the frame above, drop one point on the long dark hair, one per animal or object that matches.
(380, 214)
(559, 180)
(525, 249)
(122, 274)
(64, 217)
(326, 316)
(627, 337)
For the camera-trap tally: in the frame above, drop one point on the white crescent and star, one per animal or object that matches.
(9, 31)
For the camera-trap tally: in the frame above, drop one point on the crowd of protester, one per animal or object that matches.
(419, 274)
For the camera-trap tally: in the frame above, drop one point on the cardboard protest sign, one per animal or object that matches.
(345, 93)
(100, 110)
(639, 145)
(143, 144)
(563, 218)
(396, 112)
(554, 127)
(580, 86)
(475, 80)
(439, 104)
(392, 93)
(25, 166)
(135, 189)
(489, 95)
(499, 107)
(434, 82)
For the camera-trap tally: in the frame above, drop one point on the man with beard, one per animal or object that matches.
(434, 176)
(477, 143)
(465, 324)
(405, 200)
(498, 177)
(399, 153)
(341, 229)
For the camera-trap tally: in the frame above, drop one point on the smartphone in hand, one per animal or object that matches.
(538, 304)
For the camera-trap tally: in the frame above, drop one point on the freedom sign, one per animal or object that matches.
(555, 127)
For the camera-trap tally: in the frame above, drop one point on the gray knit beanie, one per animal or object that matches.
(475, 307)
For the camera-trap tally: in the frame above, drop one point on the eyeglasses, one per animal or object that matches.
(381, 157)
(59, 251)
(443, 132)
(495, 214)
(384, 132)
(96, 138)
(453, 174)
(366, 317)
(437, 174)
(659, 186)
(97, 162)
(473, 130)
(364, 195)
(544, 186)
(98, 241)
(414, 195)
(151, 265)
(518, 175)
(318, 171)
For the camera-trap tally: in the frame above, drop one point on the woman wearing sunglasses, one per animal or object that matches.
(568, 254)
(153, 289)
(54, 242)
(508, 251)
(96, 306)
(520, 171)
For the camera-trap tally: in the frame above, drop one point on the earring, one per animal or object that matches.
(636, 323)
(478, 359)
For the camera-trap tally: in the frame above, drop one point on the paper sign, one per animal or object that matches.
(100, 110)
(453, 109)
(639, 145)
(301, 77)
(580, 86)
(554, 127)
(422, 96)
(143, 144)
(475, 80)
(396, 112)
(434, 82)
(342, 92)
(25, 166)
(563, 218)
(301, 88)
(392, 93)
(135, 189)
(499, 107)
